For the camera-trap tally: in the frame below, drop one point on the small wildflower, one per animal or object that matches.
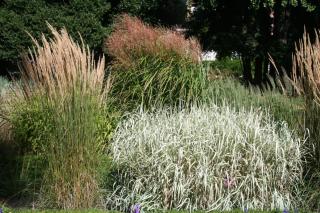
(1, 210)
(136, 208)
(245, 210)
(229, 182)
(285, 210)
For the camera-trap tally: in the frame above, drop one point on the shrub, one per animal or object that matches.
(58, 109)
(89, 17)
(224, 67)
(153, 65)
(205, 158)
(305, 70)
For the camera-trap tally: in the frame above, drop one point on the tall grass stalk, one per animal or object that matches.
(64, 84)
(206, 158)
(306, 77)
(154, 83)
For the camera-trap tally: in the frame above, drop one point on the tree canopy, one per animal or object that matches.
(158, 12)
(91, 18)
(253, 29)
(87, 17)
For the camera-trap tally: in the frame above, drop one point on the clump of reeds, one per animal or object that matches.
(306, 78)
(153, 65)
(305, 69)
(58, 108)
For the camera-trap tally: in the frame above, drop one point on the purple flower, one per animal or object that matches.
(285, 210)
(136, 208)
(245, 210)
(1, 210)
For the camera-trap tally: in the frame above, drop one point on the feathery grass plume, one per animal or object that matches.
(57, 110)
(305, 69)
(205, 158)
(59, 65)
(306, 78)
(132, 39)
(153, 66)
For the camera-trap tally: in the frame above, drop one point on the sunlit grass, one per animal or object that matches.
(153, 66)
(306, 78)
(206, 158)
(56, 113)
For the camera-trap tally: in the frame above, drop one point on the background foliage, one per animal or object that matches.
(253, 29)
(90, 18)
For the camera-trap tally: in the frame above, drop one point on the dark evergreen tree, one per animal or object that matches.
(157, 12)
(88, 17)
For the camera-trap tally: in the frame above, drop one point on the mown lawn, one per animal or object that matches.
(6, 210)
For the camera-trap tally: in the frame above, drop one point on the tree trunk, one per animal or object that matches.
(246, 63)
(266, 66)
(258, 70)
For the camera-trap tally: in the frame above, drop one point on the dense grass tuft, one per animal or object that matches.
(280, 107)
(205, 159)
(57, 112)
(153, 66)
(306, 77)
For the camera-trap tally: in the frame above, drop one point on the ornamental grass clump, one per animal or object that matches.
(306, 78)
(56, 112)
(205, 158)
(153, 66)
